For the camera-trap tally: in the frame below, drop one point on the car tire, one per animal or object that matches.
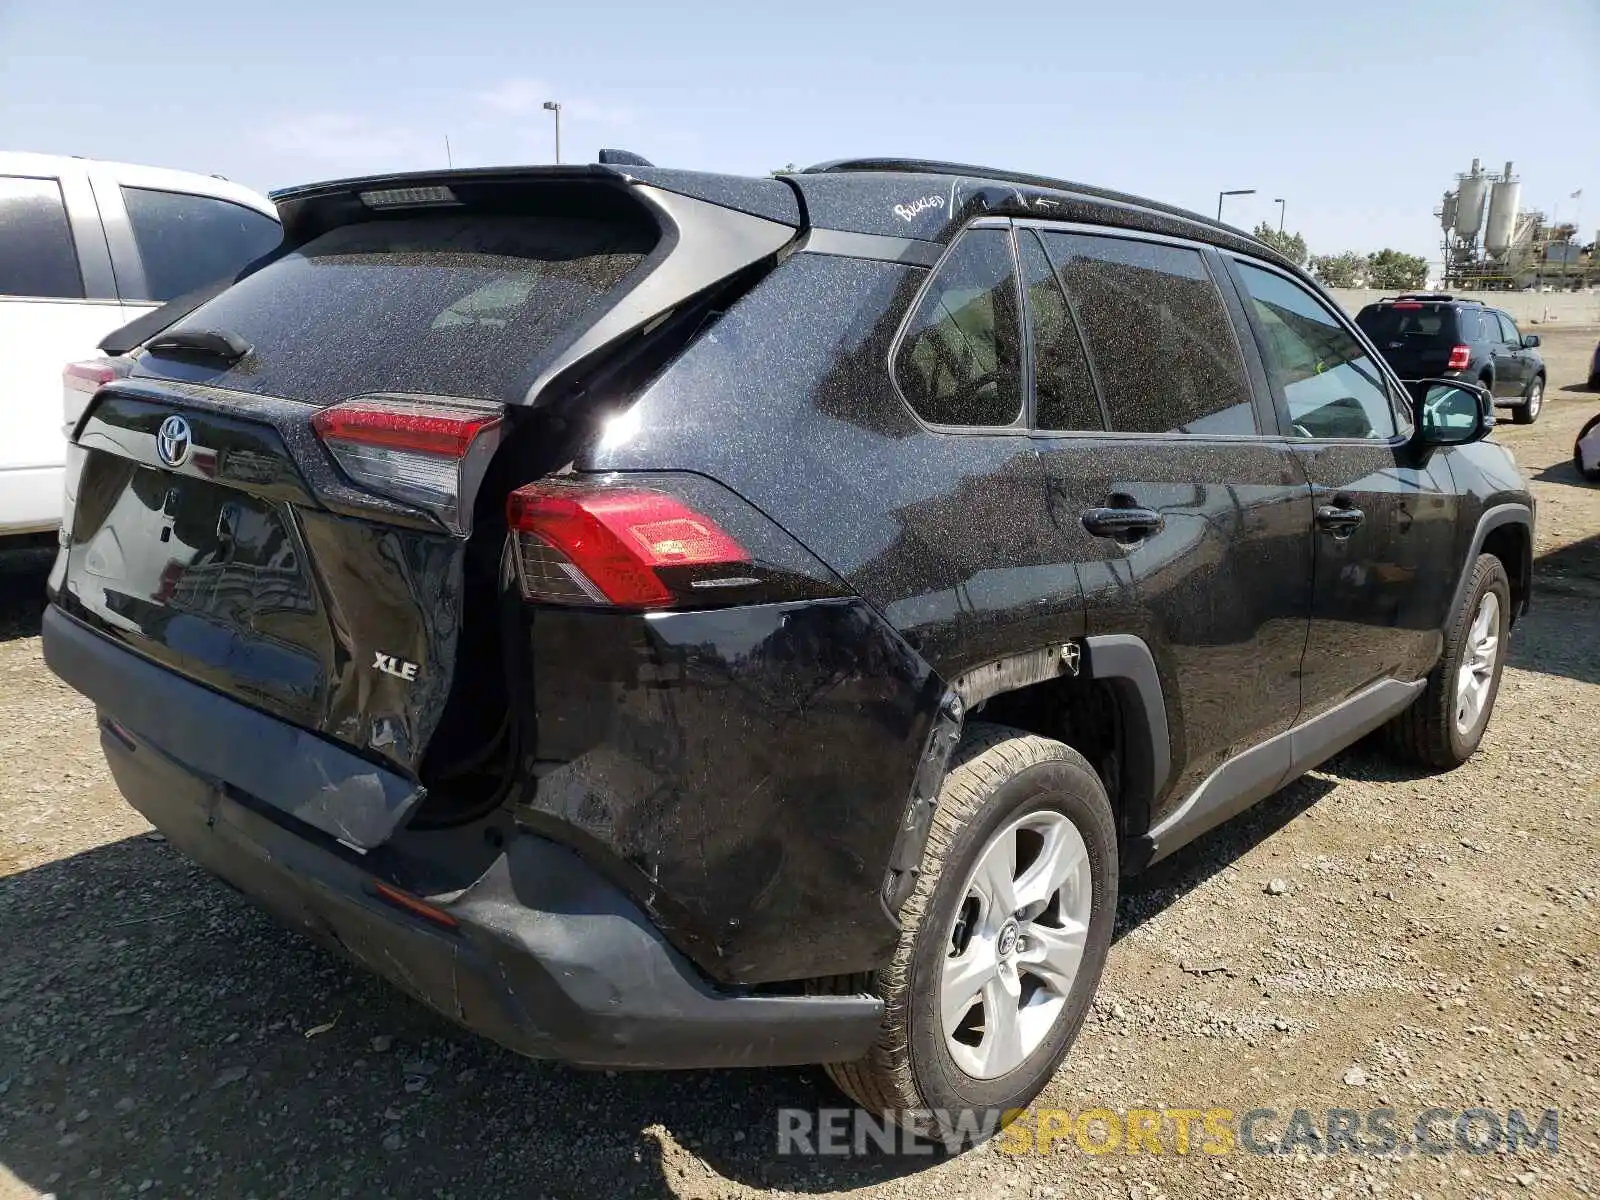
(1592, 474)
(1532, 404)
(1041, 795)
(1444, 725)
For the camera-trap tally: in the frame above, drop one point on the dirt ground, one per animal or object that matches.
(1369, 937)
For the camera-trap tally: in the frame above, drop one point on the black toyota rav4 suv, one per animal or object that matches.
(660, 619)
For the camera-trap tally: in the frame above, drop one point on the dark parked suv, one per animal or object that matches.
(1430, 335)
(661, 619)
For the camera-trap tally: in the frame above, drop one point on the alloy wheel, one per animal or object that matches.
(1016, 943)
(1475, 679)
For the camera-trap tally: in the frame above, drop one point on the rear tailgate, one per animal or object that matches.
(326, 581)
(1416, 337)
(230, 570)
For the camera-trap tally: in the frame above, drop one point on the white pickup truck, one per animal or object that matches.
(85, 247)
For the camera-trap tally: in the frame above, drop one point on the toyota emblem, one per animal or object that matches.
(174, 441)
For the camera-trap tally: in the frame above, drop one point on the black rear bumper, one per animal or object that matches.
(545, 956)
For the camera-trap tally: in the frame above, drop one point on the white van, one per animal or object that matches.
(86, 247)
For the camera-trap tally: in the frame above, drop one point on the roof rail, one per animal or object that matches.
(923, 166)
(1421, 296)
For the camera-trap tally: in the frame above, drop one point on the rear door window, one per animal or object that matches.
(1063, 386)
(1160, 338)
(960, 359)
(444, 305)
(187, 241)
(37, 253)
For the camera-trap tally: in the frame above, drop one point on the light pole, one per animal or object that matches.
(555, 107)
(1234, 192)
(1281, 208)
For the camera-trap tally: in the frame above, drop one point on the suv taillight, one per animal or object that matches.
(428, 453)
(80, 381)
(1460, 358)
(91, 374)
(581, 543)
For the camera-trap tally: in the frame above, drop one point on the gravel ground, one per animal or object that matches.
(1368, 937)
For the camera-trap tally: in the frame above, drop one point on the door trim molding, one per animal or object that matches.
(1256, 773)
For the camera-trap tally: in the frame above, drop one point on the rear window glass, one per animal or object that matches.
(450, 305)
(37, 256)
(961, 360)
(187, 241)
(1385, 322)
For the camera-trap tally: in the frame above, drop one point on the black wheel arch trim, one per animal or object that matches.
(1492, 518)
(1124, 662)
(1121, 661)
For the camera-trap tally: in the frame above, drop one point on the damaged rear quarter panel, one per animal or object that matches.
(744, 769)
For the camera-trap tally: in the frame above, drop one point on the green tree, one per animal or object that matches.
(1339, 270)
(1291, 245)
(1392, 269)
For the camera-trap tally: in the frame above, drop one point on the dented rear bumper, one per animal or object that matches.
(538, 951)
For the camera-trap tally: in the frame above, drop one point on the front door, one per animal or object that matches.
(1382, 516)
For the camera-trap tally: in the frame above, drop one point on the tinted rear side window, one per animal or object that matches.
(37, 254)
(186, 242)
(1063, 388)
(436, 305)
(1162, 343)
(960, 359)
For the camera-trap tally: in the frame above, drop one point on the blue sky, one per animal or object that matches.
(1358, 112)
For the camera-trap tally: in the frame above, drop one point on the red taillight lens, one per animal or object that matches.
(424, 452)
(93, 373)
(579, 544)
(1460, 358)
(417, 425)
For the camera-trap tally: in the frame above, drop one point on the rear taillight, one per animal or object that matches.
(1460, 358)
(430, 453)
(81, 380)
(91, 374)
(579, 543)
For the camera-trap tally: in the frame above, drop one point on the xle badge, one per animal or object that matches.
(398, 667)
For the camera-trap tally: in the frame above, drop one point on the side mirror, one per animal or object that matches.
(1450, 412)
(1530, 340)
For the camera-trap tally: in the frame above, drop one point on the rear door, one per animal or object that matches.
(1510, 360)
(56, 301)
(1217, 578)
(1383, 515)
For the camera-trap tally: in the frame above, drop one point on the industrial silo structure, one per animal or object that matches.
(1504, 197)
(1447, 212)
(1474, 186)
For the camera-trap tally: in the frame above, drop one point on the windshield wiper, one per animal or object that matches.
(219, 344)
